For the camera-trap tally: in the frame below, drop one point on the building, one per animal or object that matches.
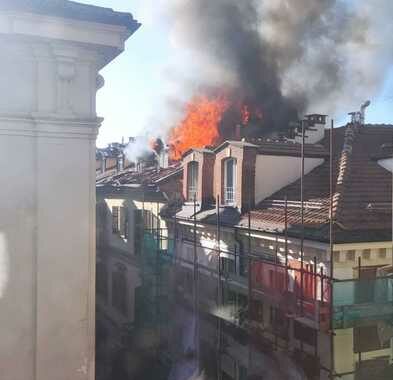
(249, 276)
(129, 203)
(265, 264)
(52, 53)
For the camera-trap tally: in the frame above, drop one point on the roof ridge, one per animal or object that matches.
(344, 169)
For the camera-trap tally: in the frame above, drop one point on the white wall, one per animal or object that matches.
(48, 127)
(275, 172)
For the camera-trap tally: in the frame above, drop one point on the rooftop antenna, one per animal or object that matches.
(363, 111)
(359, 117)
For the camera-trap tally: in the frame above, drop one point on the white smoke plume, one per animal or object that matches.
(138, 148)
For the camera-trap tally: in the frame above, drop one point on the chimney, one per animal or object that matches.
(103, 166)
(120, 162)
(238, 132)
(163, 158)
(314, 129)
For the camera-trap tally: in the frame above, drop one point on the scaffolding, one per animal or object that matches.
(223, 299)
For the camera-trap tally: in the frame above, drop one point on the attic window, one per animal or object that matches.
(229, 181)
(192, 180)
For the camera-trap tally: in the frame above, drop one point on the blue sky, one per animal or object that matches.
(136, 86)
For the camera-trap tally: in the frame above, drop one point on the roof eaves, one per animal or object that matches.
(73, 10)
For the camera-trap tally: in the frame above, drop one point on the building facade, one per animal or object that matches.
(263, 272)
(52, 53)
(129, 204)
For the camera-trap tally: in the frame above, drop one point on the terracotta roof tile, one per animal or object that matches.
(147, 176)
(362, 191)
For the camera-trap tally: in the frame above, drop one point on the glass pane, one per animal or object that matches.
(230, 176)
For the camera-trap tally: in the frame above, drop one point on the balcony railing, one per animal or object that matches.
(356, 300)
(192, 193)
(229, 195)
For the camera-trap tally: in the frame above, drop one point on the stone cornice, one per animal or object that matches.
(109, 39)
(49, 126)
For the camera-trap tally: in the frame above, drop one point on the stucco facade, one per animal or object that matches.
(48, 126)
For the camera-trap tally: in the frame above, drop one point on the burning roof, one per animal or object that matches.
(362, 193)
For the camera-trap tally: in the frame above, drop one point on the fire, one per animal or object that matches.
(200, 126)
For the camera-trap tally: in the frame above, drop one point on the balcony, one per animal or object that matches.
(358, 301)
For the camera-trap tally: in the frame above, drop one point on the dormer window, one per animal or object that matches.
(192, 180)
(229, 181)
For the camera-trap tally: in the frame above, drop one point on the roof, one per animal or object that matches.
(280, 148)
(73, 10)
(362, 203)
(132, 177)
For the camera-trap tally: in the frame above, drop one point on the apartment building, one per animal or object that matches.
(263, 256)
(128, 201)
(244, 273)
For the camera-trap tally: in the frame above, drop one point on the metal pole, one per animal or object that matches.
(302, 221)
(331, 247)
(196, 312)
(219, 291)
(249, 289)
(316, 311)
(286, 232)
(218, 242)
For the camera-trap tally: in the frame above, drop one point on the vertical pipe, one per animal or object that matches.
(302, 228)
(219, 292)
(195, 278)
(249, 262)
(331, 247)
(218, 243)
(158, 272)
(302, 221)
(286, 232)
(316, 306)
(286, 248)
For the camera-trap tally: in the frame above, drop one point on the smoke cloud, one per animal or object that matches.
(138, 148)
(289, 57)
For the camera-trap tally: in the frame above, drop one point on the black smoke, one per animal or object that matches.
(289, 57)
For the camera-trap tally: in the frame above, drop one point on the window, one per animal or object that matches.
(304, 333)
(366, 338)
(365, 286)
(138, 231)
(120, 221)
(350, 256)
(229, 181)
(119, 288)
(115, 219)
(123, 227)
(228, 266)
(382, 253)
(366, 254)
(192, 180)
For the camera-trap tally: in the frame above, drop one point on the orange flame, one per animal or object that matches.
(200, 127)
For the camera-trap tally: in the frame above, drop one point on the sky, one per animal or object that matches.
(138, 82)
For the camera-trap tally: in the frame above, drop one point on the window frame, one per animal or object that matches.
(192, 180)
(229, 200)
(115, 219)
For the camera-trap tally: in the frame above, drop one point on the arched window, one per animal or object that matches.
(229, 181)
(119, 288)
(192, 180)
